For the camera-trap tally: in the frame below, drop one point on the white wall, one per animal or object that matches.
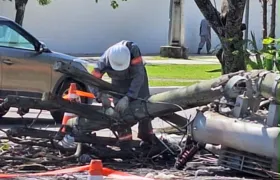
(82, 26)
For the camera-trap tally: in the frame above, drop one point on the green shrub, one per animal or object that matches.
(266, 58)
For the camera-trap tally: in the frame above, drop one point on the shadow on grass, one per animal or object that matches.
(215, 70)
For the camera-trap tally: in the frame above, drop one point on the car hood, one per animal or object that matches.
(87, 64)
(62, 56)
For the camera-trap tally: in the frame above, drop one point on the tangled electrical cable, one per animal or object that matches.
(147, 101)
(35, 119)
(270, 174)
(159, 102)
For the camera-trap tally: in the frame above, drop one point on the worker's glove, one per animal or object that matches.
(122, 104)
(104, 99)
(110, 112)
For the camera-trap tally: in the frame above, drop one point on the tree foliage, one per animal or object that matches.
(114, 3)
(44, 2)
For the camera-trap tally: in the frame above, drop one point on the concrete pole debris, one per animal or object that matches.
(213, 128)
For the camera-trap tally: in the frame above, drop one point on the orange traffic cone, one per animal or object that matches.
(71, 96)
(95, 170)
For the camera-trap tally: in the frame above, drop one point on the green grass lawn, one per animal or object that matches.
(170, 83)
(181, 75)
(188, 72)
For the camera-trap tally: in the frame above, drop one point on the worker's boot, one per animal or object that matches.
(68, 142)
(125, 138)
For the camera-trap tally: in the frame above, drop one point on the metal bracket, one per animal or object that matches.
(229, 87)
(261, 77)
(241, 106)
(273, 114)
(275, 84)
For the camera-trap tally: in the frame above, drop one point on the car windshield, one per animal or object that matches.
(11, 38)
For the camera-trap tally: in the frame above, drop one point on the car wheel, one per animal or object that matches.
(63, 90)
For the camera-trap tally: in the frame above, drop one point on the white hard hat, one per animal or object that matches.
(119, 57)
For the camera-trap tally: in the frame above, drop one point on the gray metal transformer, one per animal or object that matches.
(248, 136)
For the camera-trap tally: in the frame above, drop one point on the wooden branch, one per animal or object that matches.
(76, 155)
(17, 158)
(29, 142)
(40, 144)
(45, 134)
(211, 14)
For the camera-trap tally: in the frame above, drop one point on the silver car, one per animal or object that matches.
(27, 66)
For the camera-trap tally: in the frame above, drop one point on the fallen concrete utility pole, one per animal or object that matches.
(158, 105)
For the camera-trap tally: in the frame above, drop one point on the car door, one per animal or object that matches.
(23, 69)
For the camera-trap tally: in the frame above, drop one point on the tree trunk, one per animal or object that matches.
(273, 19)
(228, 27)
(264, 19)
(20, 8)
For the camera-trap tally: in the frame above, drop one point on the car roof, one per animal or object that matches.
(2, 18)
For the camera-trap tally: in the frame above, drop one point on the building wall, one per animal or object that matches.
(76, 26)
(87, 27)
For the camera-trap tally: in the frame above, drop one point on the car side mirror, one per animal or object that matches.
(43, 48)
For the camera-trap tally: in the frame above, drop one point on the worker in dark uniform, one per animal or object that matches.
(124, 65)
